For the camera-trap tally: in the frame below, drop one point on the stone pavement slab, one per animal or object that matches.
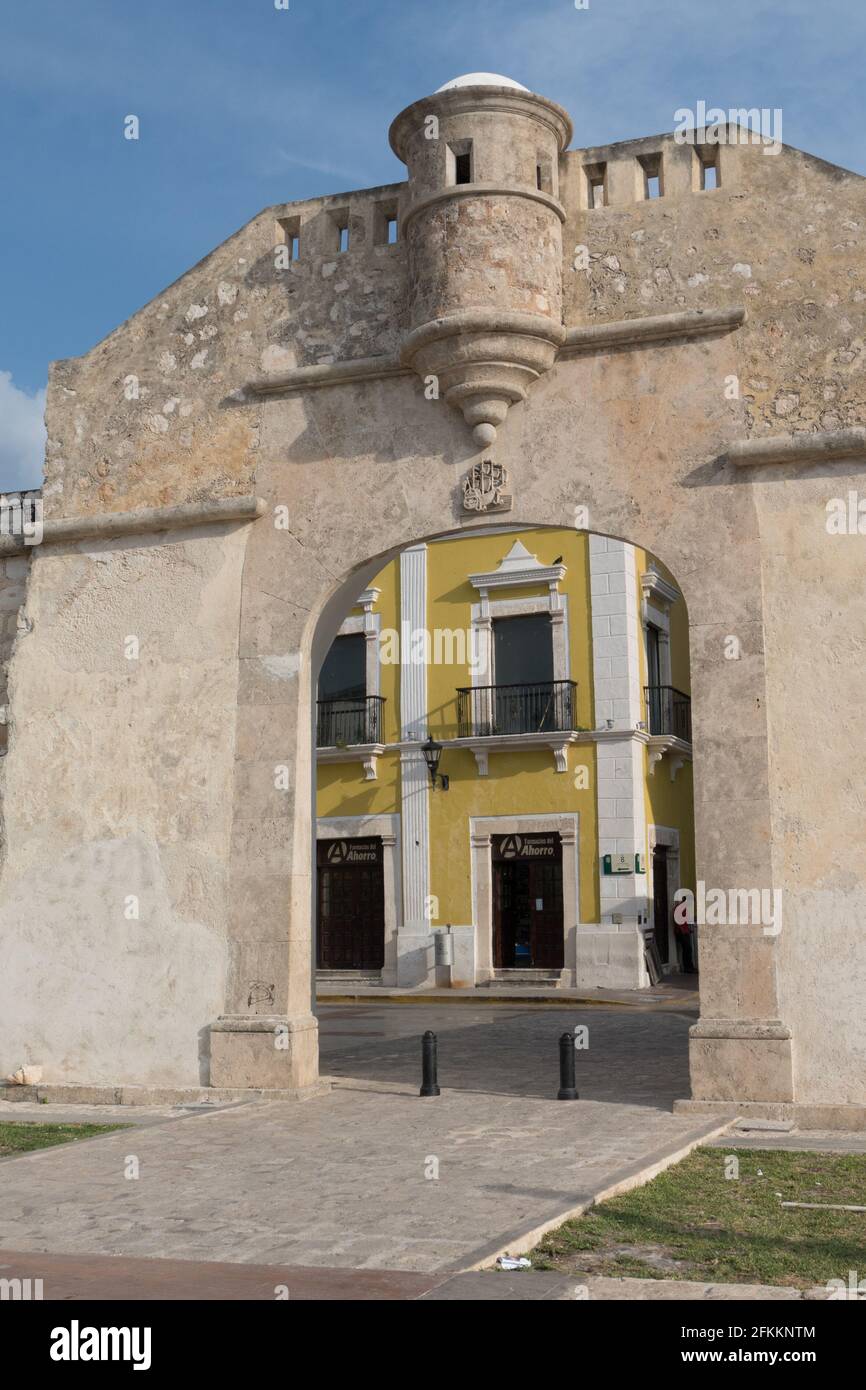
(541, 1286)
(794, 1141)
(35, 1113)
(347, 1179)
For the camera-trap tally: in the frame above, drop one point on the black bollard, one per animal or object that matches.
(429, 1065)
(567, 1088)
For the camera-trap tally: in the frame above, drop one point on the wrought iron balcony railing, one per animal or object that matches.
(341, 723)
(669, 711)
(537, 707)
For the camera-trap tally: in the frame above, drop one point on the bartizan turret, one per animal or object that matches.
(483, 224)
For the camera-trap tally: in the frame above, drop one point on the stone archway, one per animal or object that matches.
(660, 496)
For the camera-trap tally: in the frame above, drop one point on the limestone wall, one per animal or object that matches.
(148, 416)
(13, 585)
(784, 234)
(117, 797)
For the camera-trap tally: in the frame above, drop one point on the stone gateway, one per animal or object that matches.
(676, 357)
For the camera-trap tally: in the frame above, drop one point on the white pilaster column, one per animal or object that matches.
(617, 675)
(414, 942)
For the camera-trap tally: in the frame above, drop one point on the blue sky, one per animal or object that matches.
(242, 105)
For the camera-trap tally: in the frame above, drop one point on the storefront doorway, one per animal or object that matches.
(527, 902)
(350, 904)
(661, 903)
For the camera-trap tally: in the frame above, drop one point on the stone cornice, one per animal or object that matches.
(486, 190)
(689, 323)
(456, 101)
(654, 586)
(799, 449)
(328, 374)
(484, 321)
(109, 525)
(637, 332)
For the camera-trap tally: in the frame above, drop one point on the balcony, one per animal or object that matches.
(669, 712)
(350, 730)
(494, 711)
(344, 723)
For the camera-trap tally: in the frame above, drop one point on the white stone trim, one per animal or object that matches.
(413, 617)
(615, 632)
(366, 753)
(368, 623)
(414, 965)
(618, 698)
(518, 567)
(387, 828)
(660, 744)
(482, 616)
(658, 590)
(660, 618)
(481, 829)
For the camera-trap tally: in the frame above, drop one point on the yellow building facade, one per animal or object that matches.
(504, 768)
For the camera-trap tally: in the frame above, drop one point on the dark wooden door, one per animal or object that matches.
(514, 934)
(545, 898)
(350, 905)
(661, 905)
(527, 902)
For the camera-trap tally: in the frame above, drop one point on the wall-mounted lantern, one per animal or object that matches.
(432, 753)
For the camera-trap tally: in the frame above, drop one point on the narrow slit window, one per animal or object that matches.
(653, 185)
(544, 174)
(386, 227)
(463, 168)
(344, 239)
(596, 185)
(460, 162)
(709, 176)
(288, 241)
(706, 174)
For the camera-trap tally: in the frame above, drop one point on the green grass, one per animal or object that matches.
(19, 1136)
(692, 1222)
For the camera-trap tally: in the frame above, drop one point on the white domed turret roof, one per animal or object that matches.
(482, 79)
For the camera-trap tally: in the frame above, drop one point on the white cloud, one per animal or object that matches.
(22, 436)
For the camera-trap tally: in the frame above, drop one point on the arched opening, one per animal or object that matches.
(503, 800)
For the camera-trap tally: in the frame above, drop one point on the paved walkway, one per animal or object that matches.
(349, 1179)
(341, 1180)
(631, 1056)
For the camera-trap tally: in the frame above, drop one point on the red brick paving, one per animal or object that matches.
(118, 1279)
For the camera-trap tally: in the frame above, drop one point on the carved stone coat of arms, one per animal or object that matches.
(484, 488)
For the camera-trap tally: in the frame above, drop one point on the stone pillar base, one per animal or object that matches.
(415, 965)
(610, 958)
(275, 1053)
(741, 1059)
